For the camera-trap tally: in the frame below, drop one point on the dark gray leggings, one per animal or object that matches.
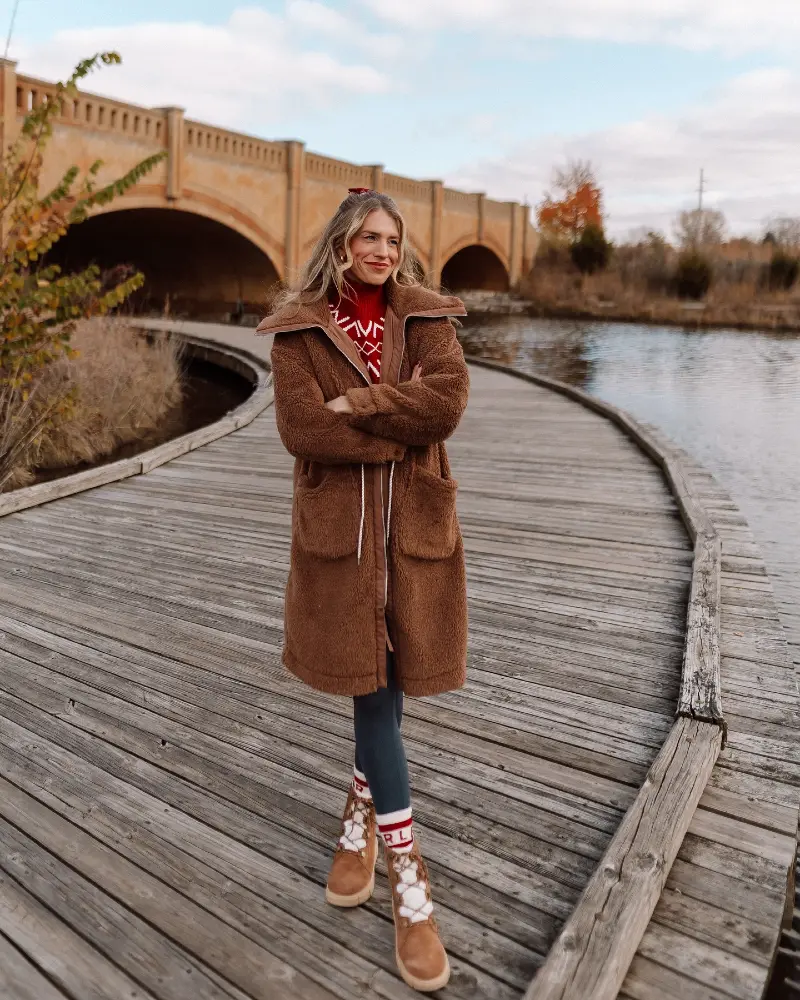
(379, 746)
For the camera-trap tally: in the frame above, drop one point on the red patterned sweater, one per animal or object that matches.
(361, 314)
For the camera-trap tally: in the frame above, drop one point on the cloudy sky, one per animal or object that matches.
(485, 94)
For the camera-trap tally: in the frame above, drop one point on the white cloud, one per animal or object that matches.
(695, 24)
(746, 138)
(317, 17)
(257, 70)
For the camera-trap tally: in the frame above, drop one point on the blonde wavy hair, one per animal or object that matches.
(325, 270)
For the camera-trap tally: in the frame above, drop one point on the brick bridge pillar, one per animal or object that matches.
(174, 122)
(295, 168)
(8, 115)
(8, 103)
(437, 203)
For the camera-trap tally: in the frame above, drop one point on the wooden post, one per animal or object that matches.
(174, 121)
(377, 177)
(437, 202)
(295, 164)
(597, 944)
(700, 695)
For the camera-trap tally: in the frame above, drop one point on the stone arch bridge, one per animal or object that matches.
(226, 215)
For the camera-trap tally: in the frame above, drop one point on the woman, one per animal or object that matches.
(369, 381)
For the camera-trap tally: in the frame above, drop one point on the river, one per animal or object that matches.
(729, 397)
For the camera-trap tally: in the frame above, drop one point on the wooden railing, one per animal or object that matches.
(592, 954)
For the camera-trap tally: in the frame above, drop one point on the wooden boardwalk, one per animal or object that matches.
(169, 797)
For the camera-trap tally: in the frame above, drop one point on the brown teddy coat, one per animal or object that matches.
(377, 556)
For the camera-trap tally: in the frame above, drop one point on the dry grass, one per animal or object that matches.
(559, 290)
(124, 387)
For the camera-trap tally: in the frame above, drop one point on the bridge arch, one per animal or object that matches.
(199, 262)
(473, 266)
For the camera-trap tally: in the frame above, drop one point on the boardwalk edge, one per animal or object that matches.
(233, 358)
(596, 946)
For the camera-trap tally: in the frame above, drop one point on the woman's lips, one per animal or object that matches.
(378, 267)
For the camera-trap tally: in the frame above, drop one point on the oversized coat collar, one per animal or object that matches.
(404, 301)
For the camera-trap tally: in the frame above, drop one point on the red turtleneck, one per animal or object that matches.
(361, 313)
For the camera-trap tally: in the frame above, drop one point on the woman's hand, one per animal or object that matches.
(342, 404)
(339, 405)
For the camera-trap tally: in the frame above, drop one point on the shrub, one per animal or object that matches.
(591, 251)
(693, 276)
(39, 306)
(782, 272)
(124, 386)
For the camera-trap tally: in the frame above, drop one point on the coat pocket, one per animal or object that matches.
(326, 517)
(428, 528)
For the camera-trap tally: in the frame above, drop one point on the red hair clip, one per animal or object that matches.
(359, 190)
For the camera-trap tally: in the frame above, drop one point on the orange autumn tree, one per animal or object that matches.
(574, 203)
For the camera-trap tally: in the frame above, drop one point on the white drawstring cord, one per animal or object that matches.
(389, 511)
(363, 508)
(361, 525)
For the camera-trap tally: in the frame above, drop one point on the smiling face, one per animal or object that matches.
(375, 249)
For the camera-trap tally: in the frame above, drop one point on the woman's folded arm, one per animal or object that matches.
(307, 428)
(425, 410)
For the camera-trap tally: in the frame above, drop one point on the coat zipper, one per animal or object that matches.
(383, 522)
(420, 315)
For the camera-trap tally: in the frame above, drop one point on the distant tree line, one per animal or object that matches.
(571, 222)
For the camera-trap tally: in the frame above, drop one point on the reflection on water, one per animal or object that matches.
(731, 398)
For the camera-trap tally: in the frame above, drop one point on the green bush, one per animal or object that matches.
(693, 275)
(592, 251)
(782, 272)
(39, 305)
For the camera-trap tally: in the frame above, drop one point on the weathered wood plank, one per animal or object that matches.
(20, 979)
(65, 957)
(32, 496)
(199, 845)
(700, 696)
(597, 944)
(578, 574)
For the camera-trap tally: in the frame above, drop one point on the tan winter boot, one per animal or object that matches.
(420, 954)
(352, 876)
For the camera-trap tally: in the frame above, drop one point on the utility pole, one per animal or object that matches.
(11, 28)
(699, 228)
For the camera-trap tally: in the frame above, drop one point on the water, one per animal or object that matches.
(731, 398)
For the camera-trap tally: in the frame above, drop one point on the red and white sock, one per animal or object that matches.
(396, 830)
(360, 785)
